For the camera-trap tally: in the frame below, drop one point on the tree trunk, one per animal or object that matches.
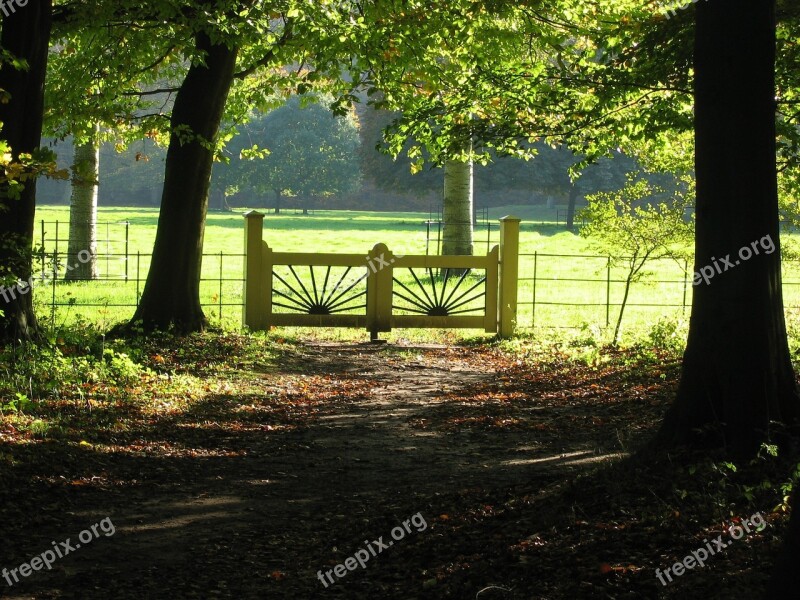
(628, 281)
(82, 252)
(457, 211)
(171, 296)
(26, 35)
(785, 579)
(216, 199)
(277, 202)
(474, 206)
(737, 375)
(573, 198)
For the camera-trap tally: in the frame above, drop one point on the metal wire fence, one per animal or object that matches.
(572, 291)
(116, 292)
(113, 242)
(555, 290)
(121, 274)
(484, 232)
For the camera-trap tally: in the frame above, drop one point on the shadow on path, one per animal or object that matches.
(247, 497)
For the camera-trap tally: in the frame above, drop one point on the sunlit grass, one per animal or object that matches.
(574, 287)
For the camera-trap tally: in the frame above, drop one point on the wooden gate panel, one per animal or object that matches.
(381, 290)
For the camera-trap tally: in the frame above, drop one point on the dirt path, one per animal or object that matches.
(241, 499)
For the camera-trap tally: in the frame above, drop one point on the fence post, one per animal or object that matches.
(427, 237)
(379, 290)
(608, 291)
(220, 287)
(138, 275)
(492, 289)
(108, 247)
(53, 283)
(535, 275)
(43, 252)
(509, 275)
(255, 278)
(685, 282)
(127, 247)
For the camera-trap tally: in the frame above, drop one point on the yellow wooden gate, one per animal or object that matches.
(381, 290)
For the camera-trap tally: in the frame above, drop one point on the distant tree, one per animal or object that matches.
(241, 170)
(633, 230)
(388, 172)
(133, 174)
(83, 209)
(458, 205)
(311, 153)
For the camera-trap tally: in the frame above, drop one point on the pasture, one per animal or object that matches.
(564, 283)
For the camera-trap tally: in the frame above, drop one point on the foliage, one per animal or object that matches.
(603, 76)
(18, 405)
(104, 66)
(633, 228)
(728, 487)
(299, 149)
(26, 168)
(76, 358)
(668, 335)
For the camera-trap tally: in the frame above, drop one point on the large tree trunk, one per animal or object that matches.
(785, 579)
(26, 35)
(277, 202)
(457, 212)
(737, 375)
(82, 252)
(171, 296)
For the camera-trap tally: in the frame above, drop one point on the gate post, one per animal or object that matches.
(380, 267)
(255, 284)
(509, 275)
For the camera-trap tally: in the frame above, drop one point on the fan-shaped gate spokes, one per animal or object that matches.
(435, 300)
(297, 295)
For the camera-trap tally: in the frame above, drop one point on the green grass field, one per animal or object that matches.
(573, 288)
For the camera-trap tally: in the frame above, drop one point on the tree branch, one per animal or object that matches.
(269, 56)
(151, 92)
